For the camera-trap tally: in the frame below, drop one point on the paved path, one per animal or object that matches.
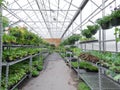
(56, 76)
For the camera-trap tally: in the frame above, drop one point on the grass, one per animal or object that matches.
(83, 86)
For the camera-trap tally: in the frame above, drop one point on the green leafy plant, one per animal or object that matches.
(83, 86)
(8, 39)
(25, 37)
(39, 68)
(115, 18)
(93, 29)
(104, 22)
(117, 34)
(35, 72)
(86, 33)
(85, 65)
(71, 40)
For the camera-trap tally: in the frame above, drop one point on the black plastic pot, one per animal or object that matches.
(73, 59)
(115, 21)
(94, 32)
(88, 35)
(105, 25)
(88, 70)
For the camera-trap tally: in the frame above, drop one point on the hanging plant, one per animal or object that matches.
(104, 22)
(93, 29)
(117, 34)
(86, 33)
(115, 21)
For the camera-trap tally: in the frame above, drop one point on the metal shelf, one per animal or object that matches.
(45, 55)
(92, 81)
(17, 61)
(90, 41)
(22, 79)
(13, 45)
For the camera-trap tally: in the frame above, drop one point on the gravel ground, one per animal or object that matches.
(56, 76)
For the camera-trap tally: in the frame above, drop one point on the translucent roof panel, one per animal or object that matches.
(50, 18)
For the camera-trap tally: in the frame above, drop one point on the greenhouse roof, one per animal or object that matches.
(55, 18)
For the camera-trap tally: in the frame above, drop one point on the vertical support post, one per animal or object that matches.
(78, 63)
(92, 46)
(78, 72)
(1, 32)
(39, 58)
(30, 66)
(116, 44)
(85, 47)
(7, 76)
(100, 79)
(70, 60)
(103, 31)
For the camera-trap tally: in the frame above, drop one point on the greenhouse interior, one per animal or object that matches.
(59, 44)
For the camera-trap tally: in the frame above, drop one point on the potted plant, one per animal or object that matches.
(86, 33)
(117, 34)
(104, 22)
(115, 21)
(93, 28)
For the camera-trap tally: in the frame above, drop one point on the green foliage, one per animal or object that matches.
(39, 68)
(8, 39)
(85, 65)
(115, 14)
(86, 33)
(104, 20)
(87, 39)
(22, 36)
(5, 21)
(71, 40)
(77, 51)
(18, 53)
(117, 77)
(83, 86)
(93, 29)
(35, 72)
(19, 70)
(117, 34)
(3, 3)
(74, 64)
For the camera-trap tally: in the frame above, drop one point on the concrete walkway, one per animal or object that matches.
(56, 76)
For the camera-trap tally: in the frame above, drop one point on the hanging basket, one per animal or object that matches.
(105, 25)
(94, 32)
(88, 36)
(115, 21)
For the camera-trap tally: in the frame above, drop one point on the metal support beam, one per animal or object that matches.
(1, 32)
(71, 4)
(95, 4)
(75, 16)
(92, 15)
(35, 14)
(66, 14)
(15, 23)
(12, 13)
(24, 11)
(40, 21)
(43, 17)
(57, 14)
(41, 10)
